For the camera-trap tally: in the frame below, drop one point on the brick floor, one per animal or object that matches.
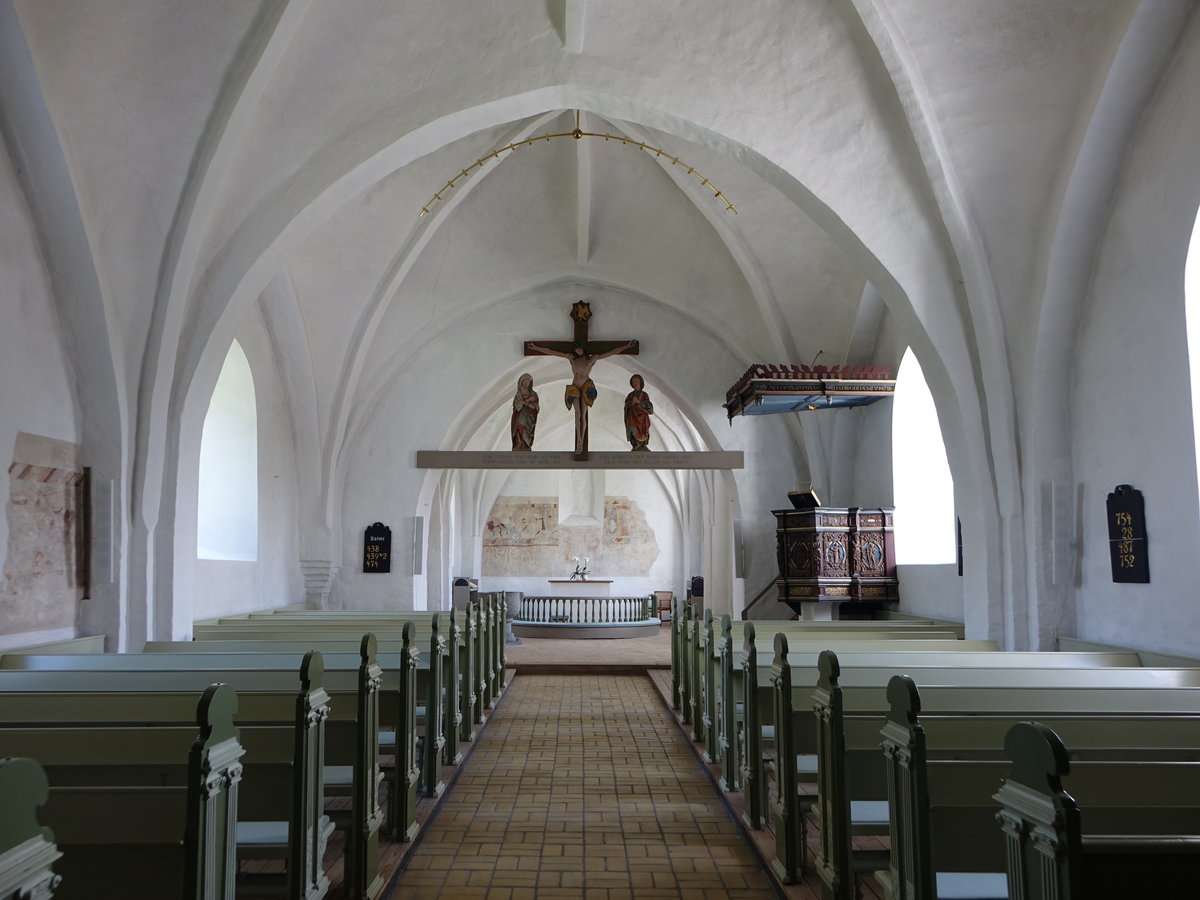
(582, 786)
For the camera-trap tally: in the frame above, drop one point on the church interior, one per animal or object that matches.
(268, 267)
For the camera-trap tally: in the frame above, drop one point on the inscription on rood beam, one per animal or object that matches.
(502, 459)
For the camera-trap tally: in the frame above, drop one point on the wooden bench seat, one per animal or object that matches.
(847, 721)
(688, 630)
(718, 691)
(442, 634)
(703, 668)
(712, 671)
(353, 683)
(1096, 830)
(450, 725)
(284, 779)
(683, 629)
(751, 718)
(482, 631)
(135, 839)
(942, 772)
(357, 689)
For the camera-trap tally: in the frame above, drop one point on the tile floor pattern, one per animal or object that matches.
(582, 786)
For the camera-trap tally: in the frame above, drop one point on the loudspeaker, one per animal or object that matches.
(1061, 533)
(418, 544)
(739, 551)
(103, 526)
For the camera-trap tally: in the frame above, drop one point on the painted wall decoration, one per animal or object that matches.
(41, 586)
(523, 537)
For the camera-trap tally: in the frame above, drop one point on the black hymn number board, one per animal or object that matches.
(1127, 542)
(377, 549)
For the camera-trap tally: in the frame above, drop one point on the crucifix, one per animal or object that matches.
(582, 355)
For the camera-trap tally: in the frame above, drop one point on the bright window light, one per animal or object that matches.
(227, 503)
(1191, 304)
(922, 487)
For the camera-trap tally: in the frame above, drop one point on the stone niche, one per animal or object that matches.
(42, 585)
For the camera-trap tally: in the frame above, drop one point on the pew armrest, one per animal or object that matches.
(1131, 844)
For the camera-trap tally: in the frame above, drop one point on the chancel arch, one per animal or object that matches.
(640, 516)
(322, 206)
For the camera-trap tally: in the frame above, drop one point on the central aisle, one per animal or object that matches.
(582, 786)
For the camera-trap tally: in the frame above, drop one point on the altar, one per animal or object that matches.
(593, 587)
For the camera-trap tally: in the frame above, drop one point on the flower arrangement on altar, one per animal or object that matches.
(581, 569)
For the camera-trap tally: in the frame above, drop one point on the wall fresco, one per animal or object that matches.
(523, 537)
(40, 588)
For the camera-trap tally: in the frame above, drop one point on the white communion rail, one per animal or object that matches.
(586, 610)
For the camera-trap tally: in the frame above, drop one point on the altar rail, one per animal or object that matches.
(586, 610)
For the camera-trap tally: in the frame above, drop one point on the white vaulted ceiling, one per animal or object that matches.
(915, 148)
(306, 135)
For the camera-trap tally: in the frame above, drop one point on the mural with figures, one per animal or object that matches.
(523, 537)
(40, 588)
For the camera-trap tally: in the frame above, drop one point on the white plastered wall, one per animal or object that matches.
(1130, 403)
(36, 380)
(206, 588)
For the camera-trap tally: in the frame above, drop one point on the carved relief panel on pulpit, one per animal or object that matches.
(835, 554)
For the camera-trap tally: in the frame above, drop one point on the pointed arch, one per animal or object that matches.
(227, 500)
(923, 488)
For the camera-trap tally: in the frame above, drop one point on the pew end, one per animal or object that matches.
(1051, 857)
(27, 849)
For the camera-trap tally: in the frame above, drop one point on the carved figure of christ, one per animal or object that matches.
(582, 354)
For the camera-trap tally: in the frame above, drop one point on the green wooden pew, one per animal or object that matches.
(489, 604)
(443, 634)
(27, 849)
(684, 638)
(850, 773)
(701, 649)
(280, 802)
(1053, 813)
(134, 839)
(483, 623)
(438, 635)
(471, 635)
(716, 671)
(942, 772)
(747, 719)
(719, 668)
(444, 729)
(353, 683)
(702, 659)
(486, 617)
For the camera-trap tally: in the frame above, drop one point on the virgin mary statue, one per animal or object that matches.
(524, 414)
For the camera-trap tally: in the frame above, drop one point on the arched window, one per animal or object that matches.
(1191, 305)
(227, 502)
(922, 488)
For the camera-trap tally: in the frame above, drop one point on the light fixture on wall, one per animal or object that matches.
(578, 134)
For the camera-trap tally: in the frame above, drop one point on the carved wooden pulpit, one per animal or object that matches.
(836, 554)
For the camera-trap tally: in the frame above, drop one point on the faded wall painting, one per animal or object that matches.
(523, 537)
(41, 587)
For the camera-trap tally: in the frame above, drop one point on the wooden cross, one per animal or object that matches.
(581, 314)
(581, 365)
